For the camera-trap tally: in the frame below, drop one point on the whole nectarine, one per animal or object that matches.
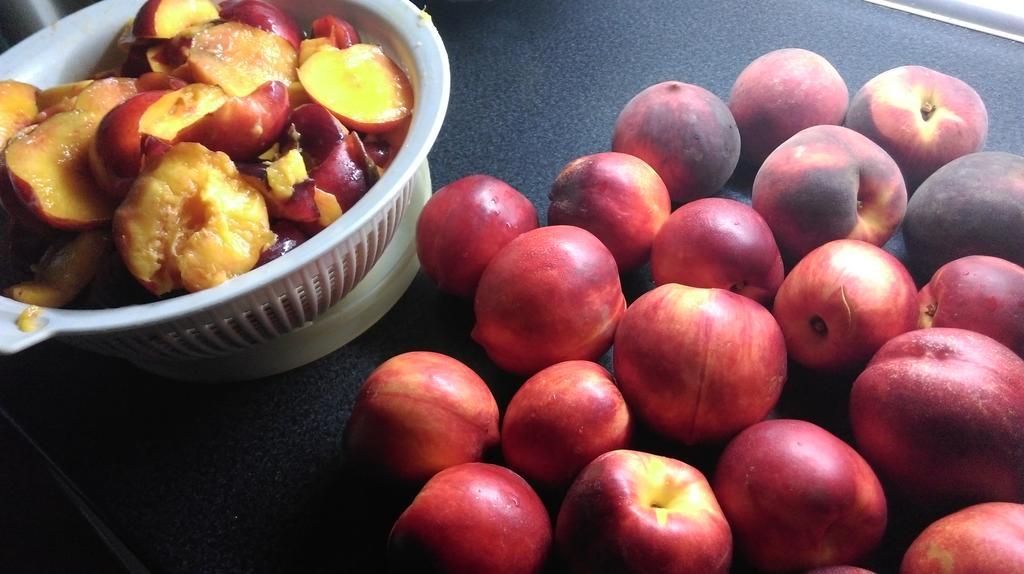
(464, 224)
(940, 414)
(552, 294)
(615, 196)
(798, 497)
(419, 413)
(717, 242)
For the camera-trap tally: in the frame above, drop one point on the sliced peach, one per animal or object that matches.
(284, 173)
(49, 172)
(318, 132)
(115, 153)
(166, 18)
(101, 96)
(19, 216)
(62, 95)
(58, 99)
(136, 63)
(240, 58)
(302, 206)
(177, 110)
(17, 108)
(283, 183)
(191, 221)
(330, 209)
(360, 85)
(347, 172)
(64, 271)
(288, 237)
(48, 166)
(326, 204)
(311, 46)
(243, 126)
(156, 81)
(339, 32)
(262, 15)
(382, 147)
(297, 95)
(166, 57)
(152, 149)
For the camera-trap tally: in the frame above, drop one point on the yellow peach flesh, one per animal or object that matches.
(180, 109)
(360, 85)
(49, 165)
(330, 209)
(101, 96)
(284, 173)
(191, 221)
(63, 94)
(297, 95)
(172, 16)
(64, 271)
(311, 46)
(17, 108)
(667, 491)
(52, 161)
(240, 58)
(28, 319)
(159, 59)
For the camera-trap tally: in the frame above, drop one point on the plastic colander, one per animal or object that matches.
(289, 293)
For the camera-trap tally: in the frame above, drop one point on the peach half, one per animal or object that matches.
(364, 88)
(239, 58)
(191, 221)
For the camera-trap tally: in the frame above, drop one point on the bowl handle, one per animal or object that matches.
(12, 338)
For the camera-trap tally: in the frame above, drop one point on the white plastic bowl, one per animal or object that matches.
(290, 292)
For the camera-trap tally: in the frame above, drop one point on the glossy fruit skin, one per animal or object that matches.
(717, 242)
(982, 538)
(940, 414)
(635, 512)
(464, 225)
(699, 365)
(552, 294)
(841, 303)
(615, 196)
(262, 15)
(978, 293)
(417, 414)
(472, 518)
(798, 497)
(561, 419)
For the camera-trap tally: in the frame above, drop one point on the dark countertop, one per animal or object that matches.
(248, 477)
